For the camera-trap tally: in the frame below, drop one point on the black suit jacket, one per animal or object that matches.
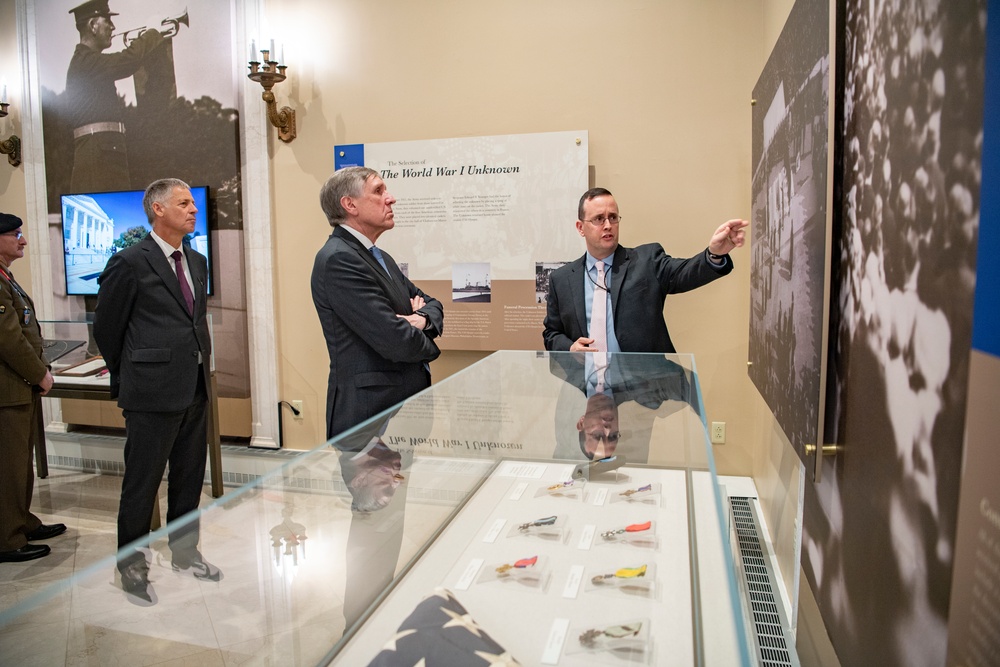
(648, 379)
(149, 341)
(376, 358)
(641, 279)
(656, 383)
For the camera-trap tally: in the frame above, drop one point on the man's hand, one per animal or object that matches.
(46, 383)
(418, 321)
(728, 236)
(583, 345)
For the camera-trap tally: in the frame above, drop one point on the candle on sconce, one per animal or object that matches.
(282, 54)
(253, 49)
(273, 54)
(3, 96)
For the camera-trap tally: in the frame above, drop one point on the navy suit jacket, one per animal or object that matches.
(641, 279)
(149, 341)
(376, 358)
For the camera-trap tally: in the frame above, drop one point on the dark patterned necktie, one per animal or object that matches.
(185, 288)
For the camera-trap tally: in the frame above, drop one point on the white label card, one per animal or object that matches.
(494, 531)
(554, 643)
(587, 537)
(469, 574)
(518, 490)
(600, 496)
(573, 580)
(512, 469)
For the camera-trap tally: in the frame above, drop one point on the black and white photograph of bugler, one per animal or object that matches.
(788, 254)
(132, 91)
(879, 529)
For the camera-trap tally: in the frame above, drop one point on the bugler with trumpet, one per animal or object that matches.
(170, 27)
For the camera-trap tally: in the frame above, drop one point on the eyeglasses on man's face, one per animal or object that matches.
(614, 219)
(16, 234)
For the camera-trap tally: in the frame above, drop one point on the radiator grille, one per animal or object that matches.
(772, 639)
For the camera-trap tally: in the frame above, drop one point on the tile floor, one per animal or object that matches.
(281, 600)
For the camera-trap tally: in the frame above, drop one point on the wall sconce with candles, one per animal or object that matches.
(268, 73)
(10, 147)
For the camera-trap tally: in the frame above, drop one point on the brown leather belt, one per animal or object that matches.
(94, 128)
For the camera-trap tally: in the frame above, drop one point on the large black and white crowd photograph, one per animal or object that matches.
(879, 530)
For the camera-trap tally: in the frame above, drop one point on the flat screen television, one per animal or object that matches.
(95, 226)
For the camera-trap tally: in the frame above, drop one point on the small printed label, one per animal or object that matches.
(554, 644)
(518, 491)
(587, 537)
(469, 574)
(511, 469)
(600, 497)
(494, 531)
(573, 580)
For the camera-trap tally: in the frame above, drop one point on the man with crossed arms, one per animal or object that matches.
(379, 327)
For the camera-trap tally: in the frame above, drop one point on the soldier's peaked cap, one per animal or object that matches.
(91, 9)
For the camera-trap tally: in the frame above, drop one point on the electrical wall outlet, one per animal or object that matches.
(298, 406)
(718, 433)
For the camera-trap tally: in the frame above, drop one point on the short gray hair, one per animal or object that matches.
(346, 182)
(158, 192)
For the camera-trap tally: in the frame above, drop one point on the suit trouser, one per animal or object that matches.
(17, 479)
(153, 439)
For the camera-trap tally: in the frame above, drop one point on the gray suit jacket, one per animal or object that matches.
(641, 279)
(149, 342)
(376, 358)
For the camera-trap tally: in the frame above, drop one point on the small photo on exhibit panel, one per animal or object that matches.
(470, 282)
(543, 271)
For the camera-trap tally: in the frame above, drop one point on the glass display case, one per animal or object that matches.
(530, 506)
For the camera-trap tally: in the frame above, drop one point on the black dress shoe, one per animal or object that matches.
(44, 532)
(198, 566)
(135, 582)
(27, 552)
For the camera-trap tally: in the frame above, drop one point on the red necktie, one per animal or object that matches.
(185, 288)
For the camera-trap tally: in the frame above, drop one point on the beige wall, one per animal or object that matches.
(662, 87)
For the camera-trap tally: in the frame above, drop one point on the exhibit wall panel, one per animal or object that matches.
(776, 469)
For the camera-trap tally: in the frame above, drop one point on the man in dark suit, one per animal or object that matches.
(150, 325)
(379, 327)
(24, 377)
(631, 284)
